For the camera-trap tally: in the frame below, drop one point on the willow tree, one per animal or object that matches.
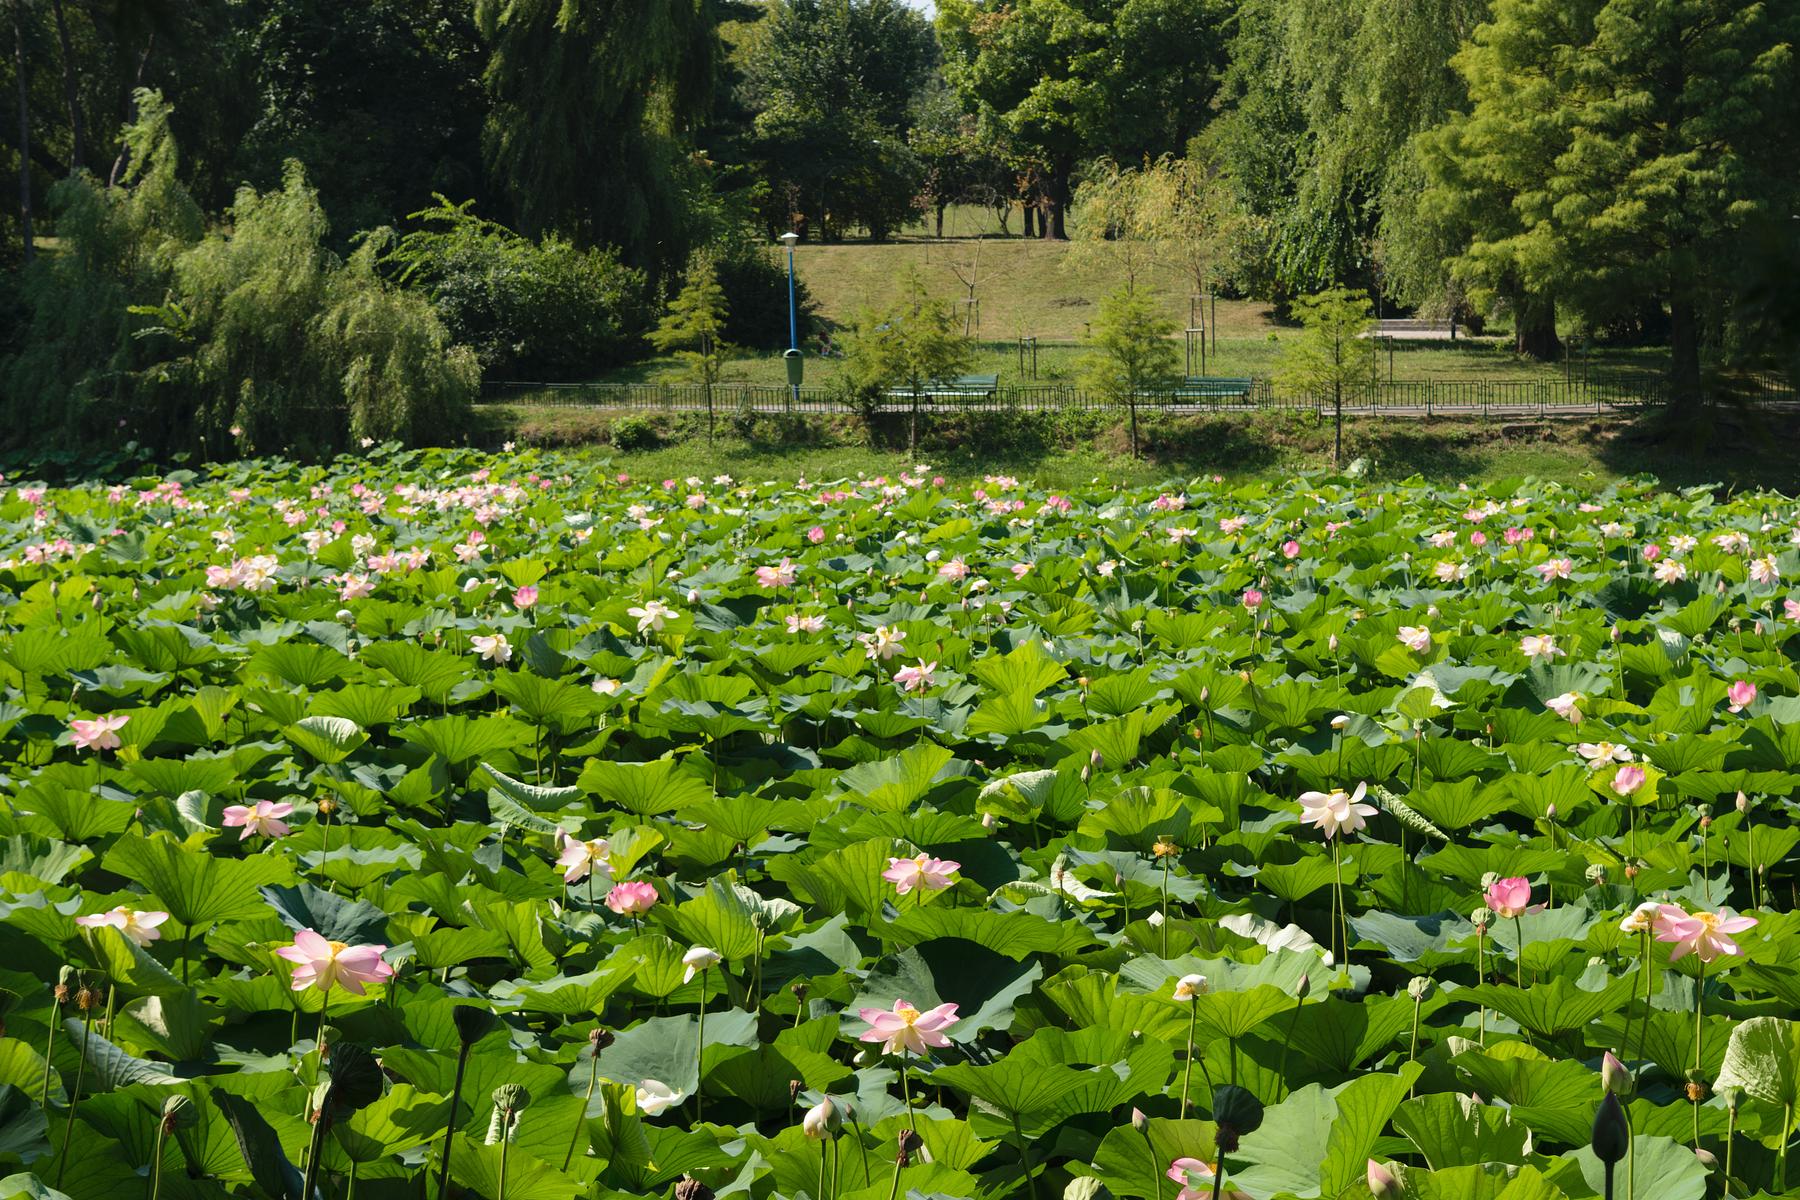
(590, 102)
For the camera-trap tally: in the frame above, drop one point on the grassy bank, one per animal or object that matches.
(1749, 450)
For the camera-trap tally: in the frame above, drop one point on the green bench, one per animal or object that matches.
(1205, 387)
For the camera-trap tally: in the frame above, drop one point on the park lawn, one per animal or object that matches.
(1263, 446)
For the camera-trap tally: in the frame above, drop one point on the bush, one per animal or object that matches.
(532, 310)
(635, 433)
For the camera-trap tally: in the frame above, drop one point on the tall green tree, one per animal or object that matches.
(1331, 357)
(589, 102)
(834, 82)
(1069, 80)
(1133, 356)
(1617, 150)
(694, 327)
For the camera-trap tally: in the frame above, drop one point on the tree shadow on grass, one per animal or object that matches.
(1731, 448)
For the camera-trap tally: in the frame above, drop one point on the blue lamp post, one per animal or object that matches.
(796, 366)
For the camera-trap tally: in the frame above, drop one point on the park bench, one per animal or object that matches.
(962, 387)
(1414, 329)
(1206, 387)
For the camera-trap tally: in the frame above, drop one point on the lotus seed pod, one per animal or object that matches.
(692, 1189)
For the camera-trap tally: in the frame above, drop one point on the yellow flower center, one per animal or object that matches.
(338, 948)
(907, 1013)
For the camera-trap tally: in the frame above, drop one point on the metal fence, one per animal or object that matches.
(1483, 398)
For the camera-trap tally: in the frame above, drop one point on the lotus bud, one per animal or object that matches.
(472, 1022)
(1612, 1132)
(1550, 812)
(1743, 803)
(1303, 988)
(1615, 1076)
(179, 1112)
(1139, 1121)
(1155, 919)
(1418, 987)
(821, 1120)
(1707, 1158)
(1331, 643)
(987, 820)
(692, 1189)
(1340, 721)
(1381, 1180)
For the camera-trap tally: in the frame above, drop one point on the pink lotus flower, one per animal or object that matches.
(1196, 1179)
(631, 899)
(525, 597)
(1253, 599)
(578, 858)
(930, 874)
(98, 733)
(1791, 608)
(1478, 538)
(906, 1030)
(1336, 810)
(1381, 1181)
(1290, 549)
(1628, 779)
(816, 534)
(140, 927)
(1651, 552)
(322, 964)
(915, 678)
(262, 819)
(1556, 568)
(1416, 638)
(1511, 897)
(1705, 934)
(1741, 693)
(778, 576)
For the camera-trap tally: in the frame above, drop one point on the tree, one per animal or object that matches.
(1133, 355)
(913, 342)
(834, 83)
(1115, 219)
(589, 99)
(1067, 80)
(694, 327)
(1615, 150)
(1193, 222)
(1330, 357)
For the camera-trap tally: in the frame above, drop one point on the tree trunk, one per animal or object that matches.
(1029, 211)
(118, 168)
(1685, 394)
(1534, 328)
(940, 220)
(24, 131)
(1055, 200)
(77, 133)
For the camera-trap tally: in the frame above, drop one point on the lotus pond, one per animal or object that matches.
(433, 825)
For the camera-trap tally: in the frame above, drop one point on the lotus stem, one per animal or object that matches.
(462, 1063)
(162, 1132)
(1025, 1157)
(581, 1117)
(699, 1052)
(1699, 1010)
(62, 1156)
(906, 1090)
(1187, 1070)
(50, 1045)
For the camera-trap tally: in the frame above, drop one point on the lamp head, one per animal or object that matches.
(788, 239)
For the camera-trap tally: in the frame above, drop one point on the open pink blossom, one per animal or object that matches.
(1290, 549)
(578, 858)
(1336, 810)
(1252, 599)
(1511, 897)
(1628, 779)
(324, 964)
(140, 927)
(778, 576)
(1741, 695)
(916, 678)
(923, 871)
(525, 597)
(816, 534)
(1416, 638)
(98, 733)
(1705, 934)
(262, 819)
(631, 899)
(906, 1029)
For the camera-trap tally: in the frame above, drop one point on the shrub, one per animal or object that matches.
(754, 280)
(635, 433)
(531, 309)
